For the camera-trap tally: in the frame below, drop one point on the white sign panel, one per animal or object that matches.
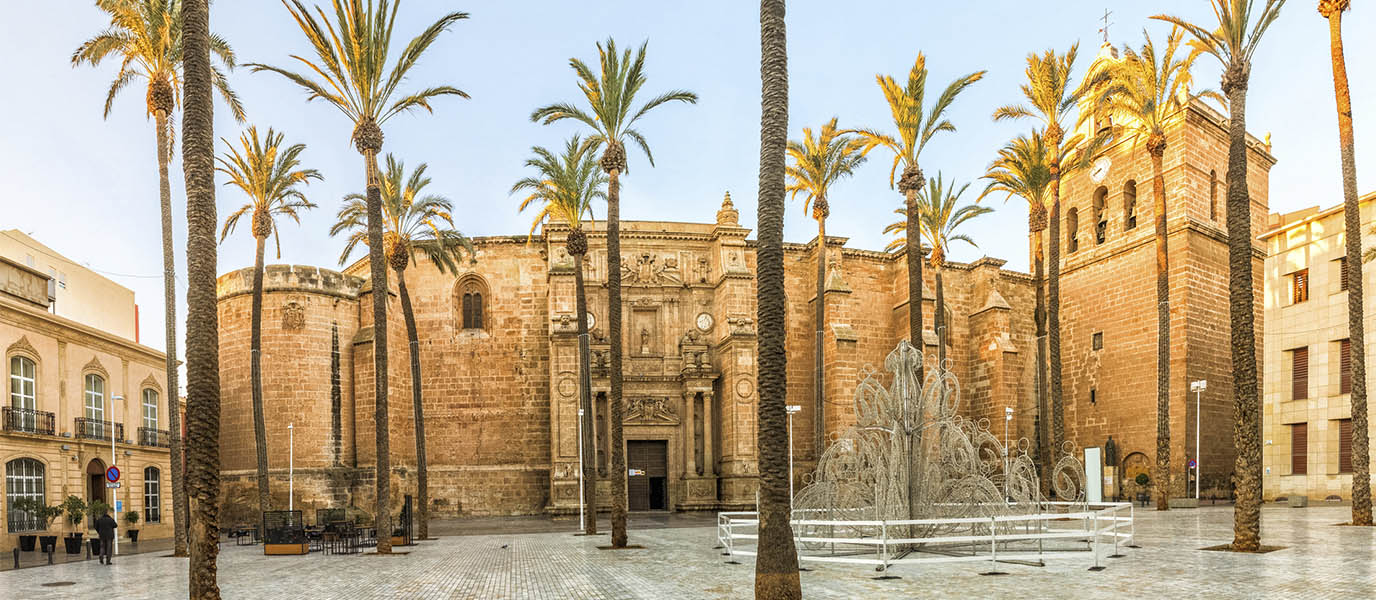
(1094, 474)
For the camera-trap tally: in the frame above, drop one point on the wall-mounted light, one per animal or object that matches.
(128, 453)
(66, 447)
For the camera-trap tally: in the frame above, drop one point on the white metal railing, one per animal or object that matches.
(1054, 530)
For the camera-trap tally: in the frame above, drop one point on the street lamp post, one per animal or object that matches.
(1198, 388)
(1007, 417)
(582, 505)
(115, 494)
(291, 466)
(792, 408)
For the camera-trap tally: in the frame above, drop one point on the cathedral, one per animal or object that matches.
(498, 350)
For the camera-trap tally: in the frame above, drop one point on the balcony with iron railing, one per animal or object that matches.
(96, 429)
(156, 438)
(25, 420)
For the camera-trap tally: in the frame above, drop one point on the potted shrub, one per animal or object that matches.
(132, 518)
(75, 510)
(47, 514)
(27, 542)
(1142, 482)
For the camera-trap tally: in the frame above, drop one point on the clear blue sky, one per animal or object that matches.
(88, 186)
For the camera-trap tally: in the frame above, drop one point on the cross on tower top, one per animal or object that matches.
(1104, 29)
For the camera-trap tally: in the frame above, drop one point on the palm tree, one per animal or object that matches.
(611, 114)
(817, 163)
(916, 125)
(412, 223)
(1233, 42)
(1146, 90)
(940, 220)
(1361, 457)
(146, 36)
(566, 185)
(269, 175)
(352, 75)
(202, 328)
(776, 566)
(1051, 98)
(1022, 170)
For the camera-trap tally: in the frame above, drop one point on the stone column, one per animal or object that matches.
(690, 439)
(709, 466)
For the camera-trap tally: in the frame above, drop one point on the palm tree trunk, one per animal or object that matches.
(1039, 317)
(418, 407)
(255, 375)
(1242, 316)
(378, 267)
(776, 566)
(1361, 457)
(618, 474)
(914, 258)
(589, 472)
(1163, 334)
(169, 298)
(939, 318)
(202, 327)
(1053, 316)
(818, 378)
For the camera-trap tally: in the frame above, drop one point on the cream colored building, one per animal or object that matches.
(76, 292)
(1306, 415)
(69, 388)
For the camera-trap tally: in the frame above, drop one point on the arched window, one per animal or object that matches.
(1100, 215)
(471, 295)
(1072, 226)
(23, 481)
(1213, 195)
(150, 408)
(1130, 204)
(152, 495)
(23, 382)
(95, 397)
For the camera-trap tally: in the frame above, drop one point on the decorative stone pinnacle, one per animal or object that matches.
(728, 215)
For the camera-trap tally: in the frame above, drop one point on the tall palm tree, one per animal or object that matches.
(1233, 42)
(1146, 90)
(202, 327)
(412, 223)
(1361, 456)
(611, 114)
(940, 221)
(1022, 170)
(269, 175)
(776, 566)
(566, 186)
(146, 36)
(817, 163)
(1050, 99)
(916, 125)
(352, 75)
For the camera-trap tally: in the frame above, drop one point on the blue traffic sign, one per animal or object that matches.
(112, 474)
(1193, 464)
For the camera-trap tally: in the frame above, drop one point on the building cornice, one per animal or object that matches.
(28, 318)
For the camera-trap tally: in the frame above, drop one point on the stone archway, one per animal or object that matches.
(1133, 464)
(95, 481)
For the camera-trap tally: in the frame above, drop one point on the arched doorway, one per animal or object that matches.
(95, 481)
(1134, 464)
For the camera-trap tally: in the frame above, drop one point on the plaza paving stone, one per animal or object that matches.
(1320, 560)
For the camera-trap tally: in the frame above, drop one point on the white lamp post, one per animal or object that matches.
(792, 408)
(582, 526)
(291, 466)
(1007, 417)
(1198, 388)
(115, 494)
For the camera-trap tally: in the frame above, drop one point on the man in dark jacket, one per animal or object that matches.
(105, 526)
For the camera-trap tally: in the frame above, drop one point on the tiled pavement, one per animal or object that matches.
(1320, 561)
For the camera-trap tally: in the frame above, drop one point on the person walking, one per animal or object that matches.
(105, 527)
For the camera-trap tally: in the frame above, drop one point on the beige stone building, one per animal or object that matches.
(74, 291)
(1307, 414)
(70, 388)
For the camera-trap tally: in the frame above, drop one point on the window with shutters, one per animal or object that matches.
(1299, 286)
(1345, 445)
(1342, 274)
(1299, 449)
(1299, 374)
(472, 301)
(1345, 367)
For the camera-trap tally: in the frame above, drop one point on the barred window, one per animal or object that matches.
(152, 495)
(23, 480)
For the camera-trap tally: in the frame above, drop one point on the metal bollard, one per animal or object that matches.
(88, 549)
(16, 558)
(50, 554)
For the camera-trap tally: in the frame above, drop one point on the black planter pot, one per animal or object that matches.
(133, 535)
(45, 542)
(72, 543)
(27, 543)
(95, 545)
